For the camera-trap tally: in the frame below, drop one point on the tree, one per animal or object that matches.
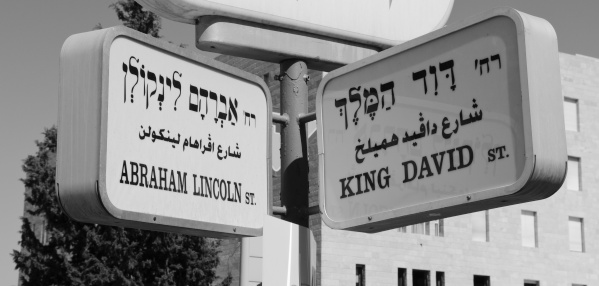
(72, 253)
(133, 16)
(85, 254)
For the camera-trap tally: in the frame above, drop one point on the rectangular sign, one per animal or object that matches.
(371, 23)
(463, 119)
(157, 137)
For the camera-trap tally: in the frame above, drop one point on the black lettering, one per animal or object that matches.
(346, 187)
(202, 185)
(195, 191)
(424, 166)
(500, 149)
(153, 178)
(491, 154)
(359, 183)
(220, 186)
(124, 173)
(438, 164)
(162, 178)
(215, 182)
(143, 181)
(182, 182)
(386, 169)
(172, 186)
(461, 156)
(247, 198)
(134, 170)
(406, 172)
(238, 192)
(229, 198)
(451, 166)
(369, 181)
(207, 185)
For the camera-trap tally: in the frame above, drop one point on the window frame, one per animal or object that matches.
(574, 101)
(360, 275)
(535, 227)
(578, 162)
(487, 226)
(582, 242)
(485, 277)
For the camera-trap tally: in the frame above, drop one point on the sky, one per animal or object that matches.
(32, 35)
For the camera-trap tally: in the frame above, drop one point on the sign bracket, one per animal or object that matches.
(280, 118)
(269, 43)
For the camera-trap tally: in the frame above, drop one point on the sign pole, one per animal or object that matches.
(294, 164)
(294, 168)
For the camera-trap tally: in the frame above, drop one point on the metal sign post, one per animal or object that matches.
(294, 164)
(294, 176)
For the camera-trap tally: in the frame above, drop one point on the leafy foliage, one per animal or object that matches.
(133, 16)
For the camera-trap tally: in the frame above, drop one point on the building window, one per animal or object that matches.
(529, 229)
(573, 176)
(440, 278)
(360, 275)
(531, 283)
(480, 280)
(480, 226)
(576, 231)
(421, 228)
(402, 277)
(403, 229)
(571, 114)
(421, 278)
(439, 228)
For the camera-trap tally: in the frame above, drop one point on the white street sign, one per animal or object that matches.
(463, 119)
(157, 137)
(389, 21)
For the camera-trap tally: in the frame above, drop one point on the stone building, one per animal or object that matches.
(550, 242)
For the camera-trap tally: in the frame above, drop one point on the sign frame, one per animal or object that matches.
(188, 11)
(544, 143)
(82, 135)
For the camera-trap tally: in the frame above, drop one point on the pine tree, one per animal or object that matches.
(74, 253)
(133, 16)
(85, 254)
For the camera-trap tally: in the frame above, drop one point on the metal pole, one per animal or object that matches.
(294, 163)
(244, 271)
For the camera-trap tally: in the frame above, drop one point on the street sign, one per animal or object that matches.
(379, 23)
(158, 137)
(464, 119)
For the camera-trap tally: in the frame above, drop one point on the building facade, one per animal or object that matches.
(550, 242)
